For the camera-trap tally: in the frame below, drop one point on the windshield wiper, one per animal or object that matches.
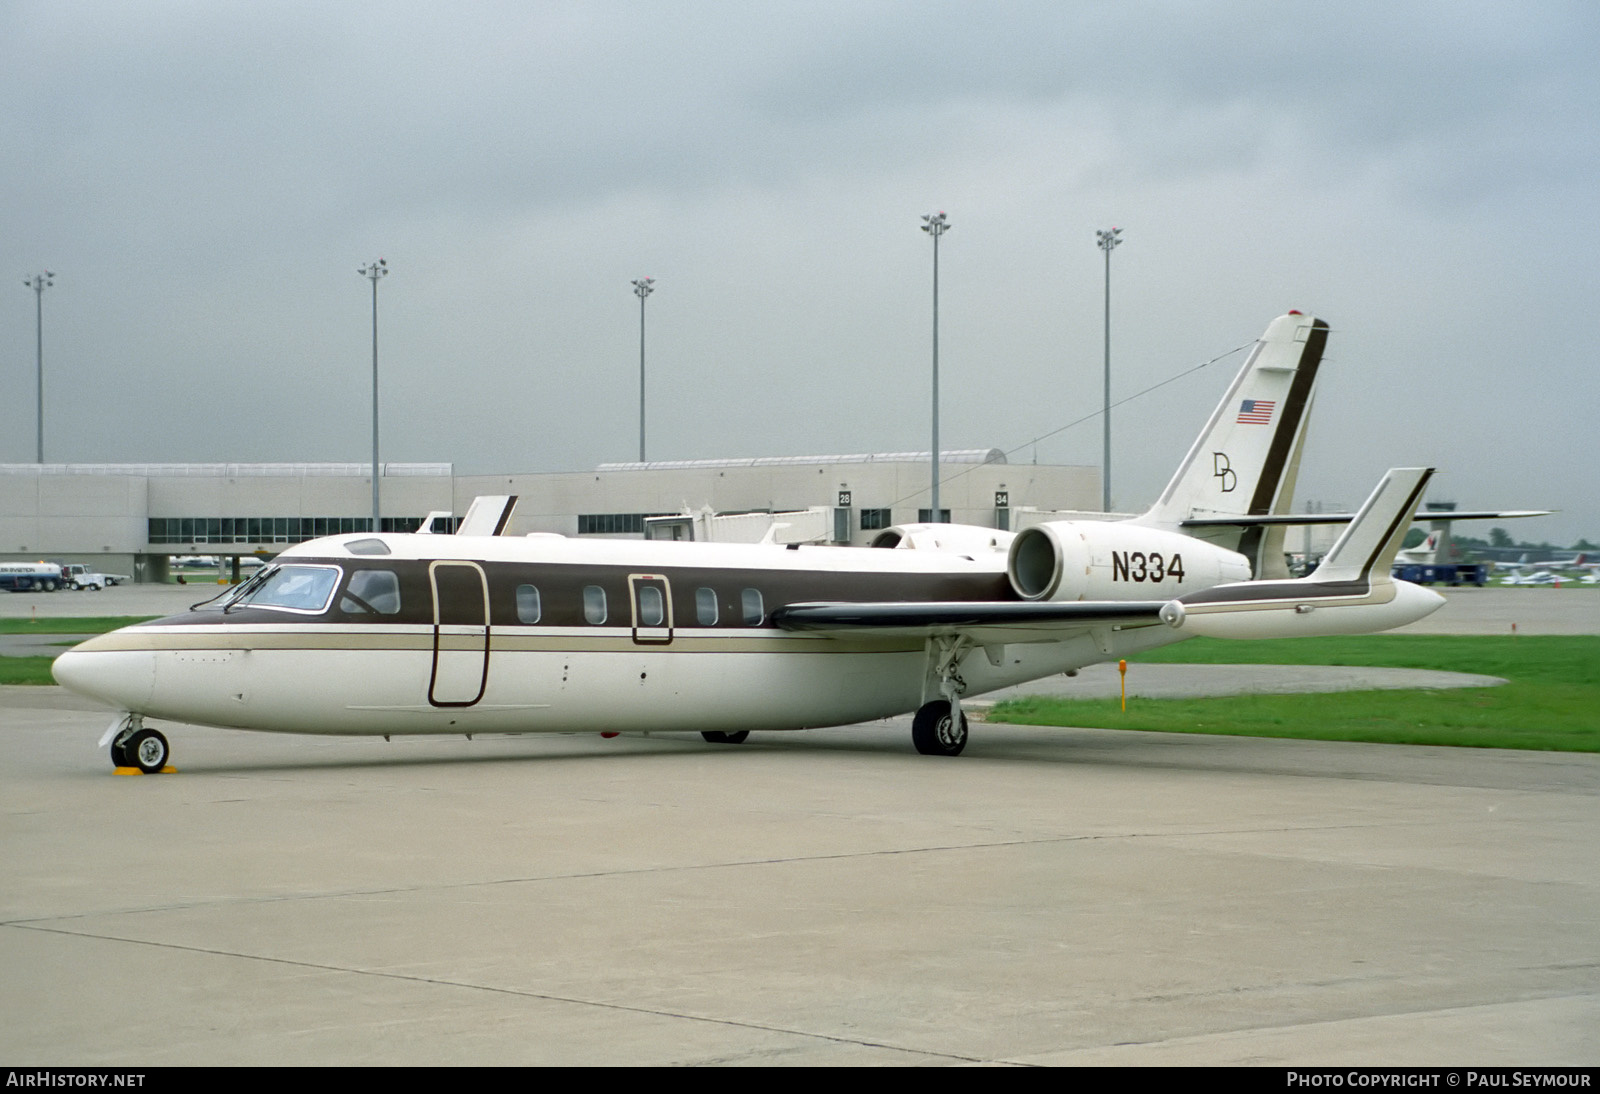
(248, 589)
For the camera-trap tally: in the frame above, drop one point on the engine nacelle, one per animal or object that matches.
(1094, 560)
(967, 540)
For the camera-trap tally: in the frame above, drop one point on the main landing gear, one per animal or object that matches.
(936, 732)
(135, 746)
(718, 738)
(940, 727)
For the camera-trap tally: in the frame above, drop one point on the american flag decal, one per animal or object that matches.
(1256, 411)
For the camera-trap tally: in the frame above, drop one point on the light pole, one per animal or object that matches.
(39, 283)
(936, 225)
(1107, 242)
(642, 288)
(374, 271)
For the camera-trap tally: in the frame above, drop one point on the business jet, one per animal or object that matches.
(480, 632)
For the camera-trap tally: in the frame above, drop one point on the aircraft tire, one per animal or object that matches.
(120, 756)
(148, 750)
(718, 738)
(934, 733)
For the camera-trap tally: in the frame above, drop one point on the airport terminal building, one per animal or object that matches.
(135, 518)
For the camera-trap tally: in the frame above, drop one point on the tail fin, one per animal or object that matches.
(1372, 539)
(1245, 461)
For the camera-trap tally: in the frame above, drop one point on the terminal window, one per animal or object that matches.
(180, 530)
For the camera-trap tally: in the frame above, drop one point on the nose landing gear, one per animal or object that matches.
(134, 746)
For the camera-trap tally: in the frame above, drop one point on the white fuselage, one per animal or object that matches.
(469, 664)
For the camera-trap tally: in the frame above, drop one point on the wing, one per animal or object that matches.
(985, 622)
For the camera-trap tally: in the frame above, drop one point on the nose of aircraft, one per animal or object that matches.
(121, 678)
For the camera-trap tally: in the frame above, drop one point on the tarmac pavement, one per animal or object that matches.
(830, 897)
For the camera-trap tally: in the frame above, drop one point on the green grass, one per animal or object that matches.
(25, 670)
(71, 625)
(1552, 701)
(36, 670)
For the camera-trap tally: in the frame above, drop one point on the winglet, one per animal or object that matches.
(1370, 542)
(1351, 592)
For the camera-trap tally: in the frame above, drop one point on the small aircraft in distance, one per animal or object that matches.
(486, 633)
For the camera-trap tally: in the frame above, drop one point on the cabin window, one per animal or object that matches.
(705, 607)
(529, 609)
(371, 592)
(594, 604)
(652, 610)
(750, 602)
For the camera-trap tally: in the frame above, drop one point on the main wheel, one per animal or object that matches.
(718, 738)
(935, 733)
(148, 750)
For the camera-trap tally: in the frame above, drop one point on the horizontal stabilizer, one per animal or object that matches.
(1297, 519)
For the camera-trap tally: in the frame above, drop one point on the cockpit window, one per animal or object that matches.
(292, 588)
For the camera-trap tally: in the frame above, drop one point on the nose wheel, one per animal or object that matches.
(137, 746)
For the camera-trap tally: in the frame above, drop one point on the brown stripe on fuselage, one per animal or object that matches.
(561, 588)
(314, 635)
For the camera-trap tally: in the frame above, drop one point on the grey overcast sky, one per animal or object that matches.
(205, 178)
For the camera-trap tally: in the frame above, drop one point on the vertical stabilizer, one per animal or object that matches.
(1245, 460)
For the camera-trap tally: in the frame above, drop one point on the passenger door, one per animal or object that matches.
(460, 633)
(651, 598)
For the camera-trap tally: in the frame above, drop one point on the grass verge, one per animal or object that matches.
(25, 670)
(1552, 701)
(36, 670)
(98, 624)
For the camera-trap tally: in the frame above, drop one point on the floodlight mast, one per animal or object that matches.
(39, 283)
(374, 272)
(936, 225)
(1107, 241)
(642, 288)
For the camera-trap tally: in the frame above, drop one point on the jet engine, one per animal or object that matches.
(1090, 560)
